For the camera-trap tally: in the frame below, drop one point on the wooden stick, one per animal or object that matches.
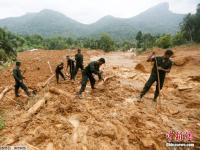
(7, 89)
(50, 67)
(48, 80)
(159, 100)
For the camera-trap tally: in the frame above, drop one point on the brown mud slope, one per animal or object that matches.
(108, 117)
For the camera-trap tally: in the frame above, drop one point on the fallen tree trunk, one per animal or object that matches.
(7, 89)
(57, 91)
(36, 107)
(48, 80)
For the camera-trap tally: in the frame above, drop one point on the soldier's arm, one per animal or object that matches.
(166, 70)
(76, 57)
(169, 68)
(151, 57)
(100, 75)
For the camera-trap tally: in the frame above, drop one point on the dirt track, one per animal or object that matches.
(108, 117)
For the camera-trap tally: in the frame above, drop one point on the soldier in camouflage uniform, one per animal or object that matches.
(92, 68)
(19, 80)
(163, 64)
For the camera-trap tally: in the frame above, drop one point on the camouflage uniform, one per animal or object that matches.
(165, 64)
(19, 81)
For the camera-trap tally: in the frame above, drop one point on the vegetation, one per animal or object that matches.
(190, 27)
(189, 32)
(8, 45)
(2, 123)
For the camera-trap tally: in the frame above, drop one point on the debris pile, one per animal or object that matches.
(107, 117)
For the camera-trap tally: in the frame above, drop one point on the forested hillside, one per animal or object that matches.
(156, 20)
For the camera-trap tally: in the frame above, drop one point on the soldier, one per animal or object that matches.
(79, 62)
(58, 71)
(162, 65)
(92, 67)
(70, 64)
(19, 80)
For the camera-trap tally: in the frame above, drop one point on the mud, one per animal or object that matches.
(108, 117)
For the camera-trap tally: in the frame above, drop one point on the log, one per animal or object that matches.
(36, 107)
(57, 91)
(48, 80)
(7, 89)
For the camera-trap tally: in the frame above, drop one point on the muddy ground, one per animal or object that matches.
(108, 117)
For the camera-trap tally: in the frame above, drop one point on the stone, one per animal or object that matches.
(50, 146)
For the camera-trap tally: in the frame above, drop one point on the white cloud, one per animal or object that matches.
(88, 11)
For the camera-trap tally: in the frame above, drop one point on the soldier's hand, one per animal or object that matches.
(160, 68)
(101, 79)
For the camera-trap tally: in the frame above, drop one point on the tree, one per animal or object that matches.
(148, 41)
(9, 43)
(164, 41)
(187, 27)
(106, 43)
(190, 26)
(139, 39)
(178, 39)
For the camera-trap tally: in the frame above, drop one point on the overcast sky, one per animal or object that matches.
(89, 11)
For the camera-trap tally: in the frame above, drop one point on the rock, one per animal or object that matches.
(151, 125)
(195, 78)
(115, 67)
(109, 133)
(147, 142)
(59, 125)
(50, 146)
(10, 141)
(184, 87)
(181, 61)
(173, 111)
(140, 67)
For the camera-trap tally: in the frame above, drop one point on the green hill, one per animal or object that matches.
(158, 19)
